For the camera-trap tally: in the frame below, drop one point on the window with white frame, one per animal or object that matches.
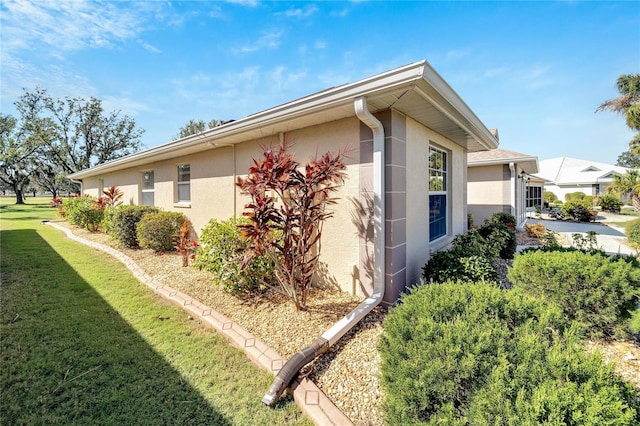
(184, 183)
(438, 193)
(148, 188)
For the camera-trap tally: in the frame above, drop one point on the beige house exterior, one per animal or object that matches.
(501, 181)
(383, 227)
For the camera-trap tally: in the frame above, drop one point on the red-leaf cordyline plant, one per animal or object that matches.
(112, 196)
(186, 246)
(287, 211)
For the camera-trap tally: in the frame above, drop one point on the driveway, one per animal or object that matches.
(610, 239)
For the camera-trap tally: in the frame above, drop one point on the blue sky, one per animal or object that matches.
(537, 71)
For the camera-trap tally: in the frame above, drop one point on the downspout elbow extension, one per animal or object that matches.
(290, 369)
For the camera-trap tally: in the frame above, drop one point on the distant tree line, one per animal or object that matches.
(52, 138)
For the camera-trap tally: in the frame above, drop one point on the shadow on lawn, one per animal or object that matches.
(68, 358)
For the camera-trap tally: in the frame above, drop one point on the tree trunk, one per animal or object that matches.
(635, 201)
(19, 196)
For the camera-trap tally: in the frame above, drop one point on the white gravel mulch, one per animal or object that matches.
(349, 374)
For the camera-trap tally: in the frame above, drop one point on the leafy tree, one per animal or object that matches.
(629, 160)
(196, 126)
(627, 184)
(627, 104)
(19, 146)
(85, 135)
(286, 213)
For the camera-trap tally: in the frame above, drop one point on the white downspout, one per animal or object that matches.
(513, 189)
(346, 323)
(322, 344)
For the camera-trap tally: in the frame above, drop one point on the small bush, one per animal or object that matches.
(84, 212)
(536, 230)
(574, 196)
(123, 222)
(549, 197)
(460, 354)
(632, 230)
(506, 219)
(503, 236)
(580, 211)
(610, 203)
(159, 231)
(591, 288)
(222, 249)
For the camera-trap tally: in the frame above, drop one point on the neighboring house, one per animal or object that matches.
(407, 134)
(565, 175)
(502, 181)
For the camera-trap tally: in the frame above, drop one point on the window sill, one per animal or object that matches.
(182, 205)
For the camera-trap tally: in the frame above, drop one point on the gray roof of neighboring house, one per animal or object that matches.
(415, 90)
(572, 171)
(529, 163)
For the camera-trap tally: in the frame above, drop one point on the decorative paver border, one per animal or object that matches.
(311, 400)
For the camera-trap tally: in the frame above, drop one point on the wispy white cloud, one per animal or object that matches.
(68, 25)
(149, 47)
(301, 13)
(268, 40)
(247, 3)
(320, 44)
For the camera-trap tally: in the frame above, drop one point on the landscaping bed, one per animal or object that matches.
(349, 374)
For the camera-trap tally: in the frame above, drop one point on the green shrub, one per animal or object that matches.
(504, 218)
(634, 323)
(470, 258)
(591, 288)
(502, 236)
(632, 230)
(549, 197)
(460, 354)
(222, 249)
(83, 212)
(578, 210)
(609, 203)
(159, 231)
(574, 196)
(124, 221)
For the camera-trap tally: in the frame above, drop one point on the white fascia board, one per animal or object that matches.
(314, 103)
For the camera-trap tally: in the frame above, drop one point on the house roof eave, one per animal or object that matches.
(447, 112)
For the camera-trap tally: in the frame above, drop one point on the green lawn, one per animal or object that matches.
(83, 342)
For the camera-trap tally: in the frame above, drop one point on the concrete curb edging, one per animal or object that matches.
(311, 400)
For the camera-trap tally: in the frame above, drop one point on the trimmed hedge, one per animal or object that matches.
(473, 253)
(222, 250)
(159, 231)
(459, 354)
(590, 287)
(124, 221)
(632, 230)
(83, 212)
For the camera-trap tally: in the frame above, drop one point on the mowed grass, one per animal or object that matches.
(83, 342)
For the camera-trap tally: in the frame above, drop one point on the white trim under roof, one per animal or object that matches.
(404, 89)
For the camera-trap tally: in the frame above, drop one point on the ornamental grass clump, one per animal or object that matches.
(287, 210)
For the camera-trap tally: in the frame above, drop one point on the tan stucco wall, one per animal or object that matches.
(418, 247)
(487, 192)
(214, 195)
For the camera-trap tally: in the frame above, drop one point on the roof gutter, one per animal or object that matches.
(322, 344)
